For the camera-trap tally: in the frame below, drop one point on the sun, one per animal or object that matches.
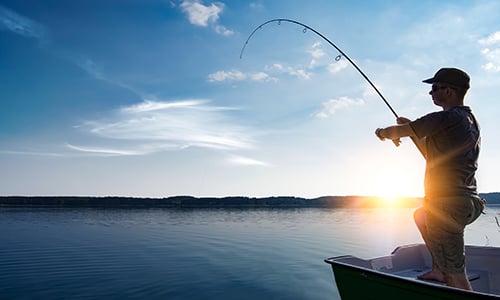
(394, 195)
(390, 200)
(393, 190)
(389, 176)
(397, 179)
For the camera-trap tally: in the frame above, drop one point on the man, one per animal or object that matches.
(450, 142)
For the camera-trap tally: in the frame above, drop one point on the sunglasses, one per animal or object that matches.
(436, 88)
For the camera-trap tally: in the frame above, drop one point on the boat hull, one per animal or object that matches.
(380, 278)
(354, 283)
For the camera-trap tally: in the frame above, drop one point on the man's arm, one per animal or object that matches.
(396, 132)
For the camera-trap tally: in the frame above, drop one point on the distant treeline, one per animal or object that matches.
(208, 202)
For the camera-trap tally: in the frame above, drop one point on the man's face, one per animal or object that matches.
(438, 92)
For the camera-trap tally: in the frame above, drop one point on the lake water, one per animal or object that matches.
(196, 253)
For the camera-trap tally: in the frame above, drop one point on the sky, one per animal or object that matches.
(152, 99)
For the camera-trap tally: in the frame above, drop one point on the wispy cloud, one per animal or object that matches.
(246, 161)
(492, 39)
(235, 75)
(13, 22)
(269, 74)
(153, 126)
(255, 5)
(281, 69)
(204, 15)
(105, 151)
(320, 60)
(96, 71)
(337, 66)
(31, 153)
(21, 25)
(262, 76)
(491, 52)
(300, 73)
(153, 105)
(273, 71)
(316, 53)
(91, 68)
(222, 30)
(333, 105)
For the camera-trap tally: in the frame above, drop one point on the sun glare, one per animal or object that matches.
(394, 190)
(389, 200)
(389, 182)
(396, 197)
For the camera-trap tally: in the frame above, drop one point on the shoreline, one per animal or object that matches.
(214, 202)
(200, 202)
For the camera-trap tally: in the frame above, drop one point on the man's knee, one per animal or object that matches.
(419, 217)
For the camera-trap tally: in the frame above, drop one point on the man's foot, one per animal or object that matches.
(433, 275)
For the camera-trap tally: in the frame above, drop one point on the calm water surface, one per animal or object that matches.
(196, 254)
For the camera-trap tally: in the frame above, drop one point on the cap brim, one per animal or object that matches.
(430, 80)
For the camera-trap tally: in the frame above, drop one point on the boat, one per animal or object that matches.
(395, 276)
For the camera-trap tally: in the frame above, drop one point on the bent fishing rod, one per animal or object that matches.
(342, 54)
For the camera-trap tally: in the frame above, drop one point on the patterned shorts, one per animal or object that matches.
(446, 219)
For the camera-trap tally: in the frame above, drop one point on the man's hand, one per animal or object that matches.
(380, 133)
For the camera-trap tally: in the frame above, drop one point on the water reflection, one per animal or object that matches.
(196, 253)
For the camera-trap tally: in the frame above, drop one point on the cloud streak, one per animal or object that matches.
(15, 23)
(154, 126)
(235, 75)
(245, 161)
(105, 151)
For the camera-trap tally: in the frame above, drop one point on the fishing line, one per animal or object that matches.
(337, 58)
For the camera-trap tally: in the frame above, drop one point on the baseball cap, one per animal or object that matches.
(451, 76)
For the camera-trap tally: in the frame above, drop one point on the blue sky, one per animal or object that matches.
(150, 98)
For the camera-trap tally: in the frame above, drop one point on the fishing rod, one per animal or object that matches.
(337, 58)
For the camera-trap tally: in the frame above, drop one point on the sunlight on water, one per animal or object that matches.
(197, 254)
